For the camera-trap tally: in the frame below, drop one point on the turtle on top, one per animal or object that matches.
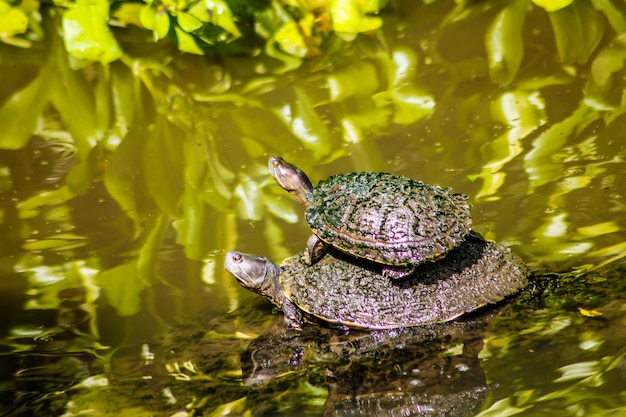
(381, 217)
(369, 227)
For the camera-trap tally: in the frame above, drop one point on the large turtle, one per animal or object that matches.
(386, 218)
(342, 292)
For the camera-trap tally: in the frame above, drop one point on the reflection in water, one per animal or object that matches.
(42, 163)
(47, 363)
(424, 371)
(567, 340)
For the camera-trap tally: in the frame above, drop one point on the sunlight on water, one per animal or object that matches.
(123, 184)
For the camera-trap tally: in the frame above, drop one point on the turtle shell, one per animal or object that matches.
(386, 218)
(342, 292)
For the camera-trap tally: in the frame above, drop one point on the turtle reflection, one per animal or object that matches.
(429, 370)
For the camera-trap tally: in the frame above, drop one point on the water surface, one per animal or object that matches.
(138, 176)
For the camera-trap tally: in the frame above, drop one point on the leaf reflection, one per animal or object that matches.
(168, 152)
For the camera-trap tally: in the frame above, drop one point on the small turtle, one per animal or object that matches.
(385, 218)
(341, 292)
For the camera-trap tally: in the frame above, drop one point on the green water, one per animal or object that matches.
(137, 176)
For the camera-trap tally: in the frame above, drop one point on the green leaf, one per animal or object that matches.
(188, 22)
(410, 102)
(186, 42)
(19, 115)
(578, 30)
(13, 21)
(156, 20)
(162, 26)
(348, 17)
(122, 178)
(103, 101)
(290, 40)
(123, 97)
(609, 61)
(75, 103)
(281, 207)
(129, 13)
(74, 99)
(360, 79)
(372, 6)
(190, 226)
(616, 18)
(147, 17)
(86, 32)
(503, 40)
(122, 286)
(163, 168)
(248, 199)
(539, 163)
(222, 16)
(305, 123)
(270, 19)
(553, 5)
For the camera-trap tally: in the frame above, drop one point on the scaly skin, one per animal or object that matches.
(291, 178)
(262, 276)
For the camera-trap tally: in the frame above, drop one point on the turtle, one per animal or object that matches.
(386, 218)
(345, 292)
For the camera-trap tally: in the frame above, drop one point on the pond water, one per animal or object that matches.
(136, 177)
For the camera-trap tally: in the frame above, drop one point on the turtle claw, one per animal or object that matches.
(293, 325)
(293, 315)
(315, 250)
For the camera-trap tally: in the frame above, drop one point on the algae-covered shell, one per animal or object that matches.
(473, 275)
(388, 218)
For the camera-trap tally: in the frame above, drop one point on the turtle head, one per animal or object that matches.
(256, 274)
(291, 178)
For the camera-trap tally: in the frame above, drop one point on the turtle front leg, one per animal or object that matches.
(315, 250)
(398, 272)
(293, 315)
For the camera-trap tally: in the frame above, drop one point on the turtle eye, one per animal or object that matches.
(237, 257)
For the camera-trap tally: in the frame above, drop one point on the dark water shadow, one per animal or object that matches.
(423, 371)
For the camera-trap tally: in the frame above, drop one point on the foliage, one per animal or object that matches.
(288, 30)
